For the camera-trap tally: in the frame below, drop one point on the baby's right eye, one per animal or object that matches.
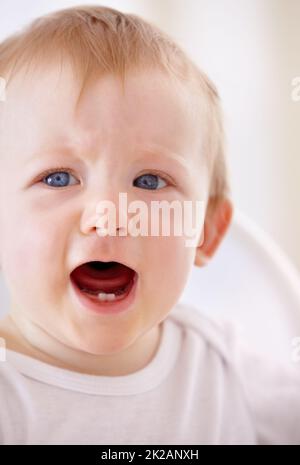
(57, 178)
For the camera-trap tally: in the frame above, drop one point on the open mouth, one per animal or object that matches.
(104, 281)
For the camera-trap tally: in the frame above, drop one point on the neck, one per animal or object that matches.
(24, 336)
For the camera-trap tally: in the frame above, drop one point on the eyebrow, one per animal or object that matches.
(158, 150)
(155, 150)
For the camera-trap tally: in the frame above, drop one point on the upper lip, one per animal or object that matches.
(111, 259)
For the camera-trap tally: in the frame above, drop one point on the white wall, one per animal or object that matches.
(251, 49)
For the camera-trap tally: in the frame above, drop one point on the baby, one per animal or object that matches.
(98, 349)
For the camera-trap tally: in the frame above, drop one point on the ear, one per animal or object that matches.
(218, 218)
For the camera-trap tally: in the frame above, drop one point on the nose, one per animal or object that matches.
(103, 216)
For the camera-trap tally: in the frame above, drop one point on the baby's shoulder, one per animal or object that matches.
(8, 374)
(218, 335)
(14, 398)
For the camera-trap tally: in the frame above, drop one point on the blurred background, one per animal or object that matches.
(251, 50)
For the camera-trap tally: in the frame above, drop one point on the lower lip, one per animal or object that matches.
(107, 307)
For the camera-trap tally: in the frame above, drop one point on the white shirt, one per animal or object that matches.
(199, 388)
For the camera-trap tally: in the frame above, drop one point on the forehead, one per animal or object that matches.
(45, 108)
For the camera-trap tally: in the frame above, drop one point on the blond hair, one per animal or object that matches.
(99, 39)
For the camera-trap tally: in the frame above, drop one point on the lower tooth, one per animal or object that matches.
(106, 296)
(103, 296)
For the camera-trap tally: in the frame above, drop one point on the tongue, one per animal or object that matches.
(110, 278)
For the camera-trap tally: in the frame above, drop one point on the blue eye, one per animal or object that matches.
(58, 178)
(61, 178)
(149, 181)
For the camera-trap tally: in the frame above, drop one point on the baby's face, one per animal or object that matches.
(108, 141)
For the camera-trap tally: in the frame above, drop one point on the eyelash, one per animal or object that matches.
(46, 173)
(55, 170)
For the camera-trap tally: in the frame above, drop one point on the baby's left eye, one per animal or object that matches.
(58, 178)
(148, 181)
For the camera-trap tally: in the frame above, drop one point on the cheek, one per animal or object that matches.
(30, 250)
(33, 267)
(168, 263)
